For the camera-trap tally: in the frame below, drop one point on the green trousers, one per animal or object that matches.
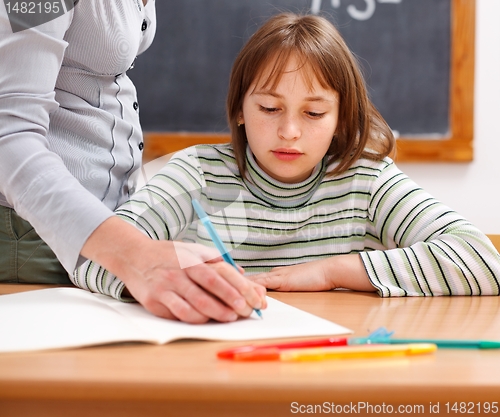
(24, 256)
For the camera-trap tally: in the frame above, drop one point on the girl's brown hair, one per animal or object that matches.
(361, 130)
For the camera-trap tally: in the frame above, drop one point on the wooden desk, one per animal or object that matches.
(185, 378)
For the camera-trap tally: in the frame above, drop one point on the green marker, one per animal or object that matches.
(441, 343)
(384, 337)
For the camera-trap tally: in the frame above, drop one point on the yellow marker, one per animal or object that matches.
(354, 352)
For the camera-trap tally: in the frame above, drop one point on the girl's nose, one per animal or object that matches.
(289, 128)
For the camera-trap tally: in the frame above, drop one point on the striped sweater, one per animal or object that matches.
(410, 243)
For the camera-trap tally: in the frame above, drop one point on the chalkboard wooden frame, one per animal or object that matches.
(457, 146)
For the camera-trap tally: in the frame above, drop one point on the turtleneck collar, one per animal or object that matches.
(278, 193)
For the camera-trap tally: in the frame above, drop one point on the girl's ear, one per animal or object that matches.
(241, 119)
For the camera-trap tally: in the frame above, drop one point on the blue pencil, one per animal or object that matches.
(216, 239)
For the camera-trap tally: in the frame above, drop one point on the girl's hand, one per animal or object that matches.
(342, 271)
(311, 276)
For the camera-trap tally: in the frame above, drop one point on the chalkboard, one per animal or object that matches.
(405, 49)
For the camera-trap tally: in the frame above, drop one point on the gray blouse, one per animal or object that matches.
(70, 136)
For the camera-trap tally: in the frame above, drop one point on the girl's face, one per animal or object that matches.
(289, 129)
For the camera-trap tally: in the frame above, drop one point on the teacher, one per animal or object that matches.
(70, 140)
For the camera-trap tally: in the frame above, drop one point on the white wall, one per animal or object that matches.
(473, 189)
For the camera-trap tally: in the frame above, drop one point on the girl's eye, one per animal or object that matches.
(268, 109)
(315, 115)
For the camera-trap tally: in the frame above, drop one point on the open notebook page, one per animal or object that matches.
(70, 317)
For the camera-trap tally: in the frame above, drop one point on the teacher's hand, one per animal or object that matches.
(156, 275)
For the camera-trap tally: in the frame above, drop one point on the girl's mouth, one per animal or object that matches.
(287, 154)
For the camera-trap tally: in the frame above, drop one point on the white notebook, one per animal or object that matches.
(58, 318)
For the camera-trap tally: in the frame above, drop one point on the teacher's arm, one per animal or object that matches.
(151, 272)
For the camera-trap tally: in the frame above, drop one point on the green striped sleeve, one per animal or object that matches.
(431, 250)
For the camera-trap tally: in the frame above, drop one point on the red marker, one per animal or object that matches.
(274, 349)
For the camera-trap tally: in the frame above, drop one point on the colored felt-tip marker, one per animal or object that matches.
(441, 343)
(330, 353)
(300, 344)
(382, 335)
(216, 239)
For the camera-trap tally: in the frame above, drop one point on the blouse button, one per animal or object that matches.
(141, 146)
(136, 105)
(144, 25)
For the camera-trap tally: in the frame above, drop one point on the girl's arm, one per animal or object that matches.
(343, 271)
(430, 250)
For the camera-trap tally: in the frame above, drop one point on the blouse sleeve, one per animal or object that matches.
(431, 250)
(33, 179)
